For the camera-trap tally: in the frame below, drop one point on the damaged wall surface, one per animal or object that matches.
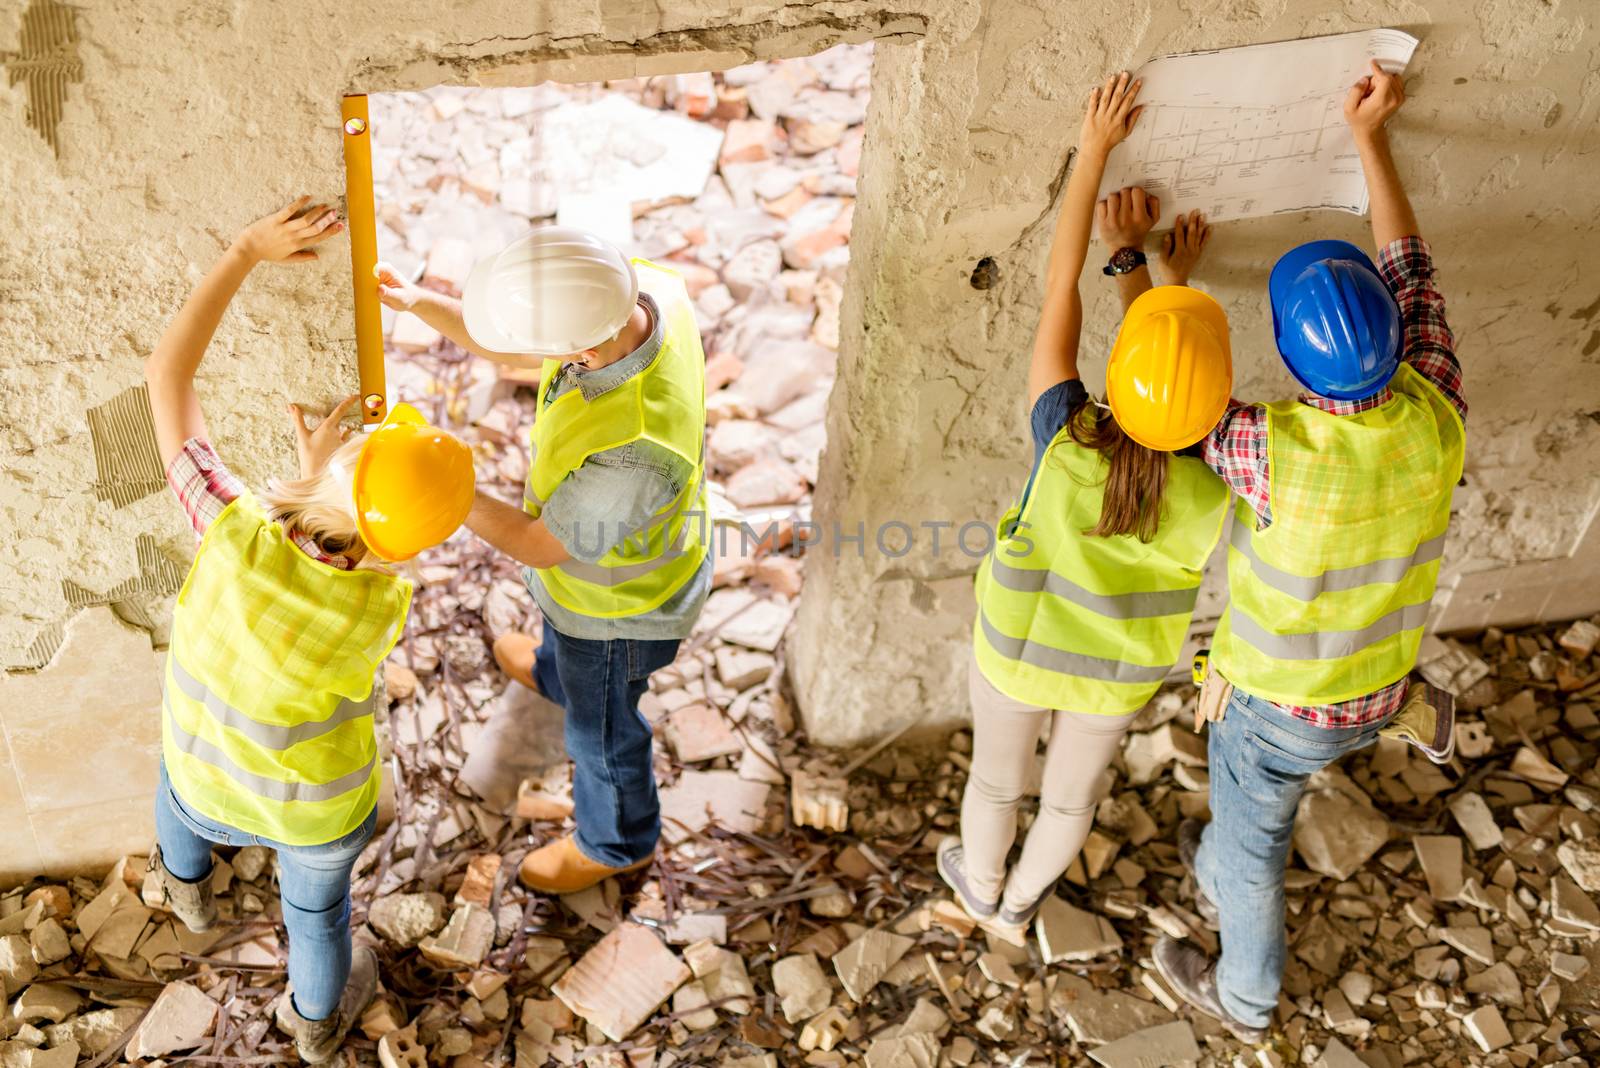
(178, 126)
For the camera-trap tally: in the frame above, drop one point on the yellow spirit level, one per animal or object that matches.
(362, 218)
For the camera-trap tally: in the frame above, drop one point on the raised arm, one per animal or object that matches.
(1110, 116)
(440, 312)
(1369, 105)
(283, 237)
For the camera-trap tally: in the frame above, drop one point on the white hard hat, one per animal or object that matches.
(553, 292)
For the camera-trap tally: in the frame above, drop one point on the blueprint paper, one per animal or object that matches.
(1253, 131)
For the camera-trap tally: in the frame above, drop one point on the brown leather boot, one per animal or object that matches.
(561, 868)
(195, 904)
(317, 1041)
(1193, 977)
(515, 653)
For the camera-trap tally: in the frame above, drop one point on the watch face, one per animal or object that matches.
(1124, 260)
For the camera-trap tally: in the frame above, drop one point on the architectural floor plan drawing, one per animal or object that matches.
(1254, 130)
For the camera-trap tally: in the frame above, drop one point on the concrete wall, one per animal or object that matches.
(180, 123)
(966, 143)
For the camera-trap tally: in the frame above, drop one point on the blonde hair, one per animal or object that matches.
(320, 508)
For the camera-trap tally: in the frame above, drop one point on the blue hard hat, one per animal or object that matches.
(1336, 324)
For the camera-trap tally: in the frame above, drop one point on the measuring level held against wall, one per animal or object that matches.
(362, 220)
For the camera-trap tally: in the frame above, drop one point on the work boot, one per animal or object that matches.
(953, 870)
(561, 868)
(317, 1041)
(1427, 720)
(1189, 832)
(515, 653)
(193, 903)
(1193, 977)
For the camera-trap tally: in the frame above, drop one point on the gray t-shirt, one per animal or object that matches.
(612, 496)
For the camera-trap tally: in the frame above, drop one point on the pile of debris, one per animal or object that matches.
(1438, 916)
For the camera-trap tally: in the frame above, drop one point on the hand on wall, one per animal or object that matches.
(1110, 116)
(287, 236)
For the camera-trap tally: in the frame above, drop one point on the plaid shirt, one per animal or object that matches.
(205, 487)
(1237, 448)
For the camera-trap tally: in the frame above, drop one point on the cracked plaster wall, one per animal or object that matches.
(192, 118)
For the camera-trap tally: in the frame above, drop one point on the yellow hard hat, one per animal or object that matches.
(1171, 368)
(412, 485)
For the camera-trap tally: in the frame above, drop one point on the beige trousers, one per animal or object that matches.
(1005, 737)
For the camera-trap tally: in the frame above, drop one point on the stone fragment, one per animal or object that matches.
(477, 886)
(465, 940)
(406, 919)
(95, 1031)
(864, 961)
(48, 942)
(1572, 906)
(904, 1051)
(1170, 1045)
(699, 797)
(1581, 859)
(689, 1005)
(17, 966)
(824, 1031)
(1100, 1016)
(1448, 665)
(818, 801)
(1475, 942)
(1440, 857)
(1334, 835)
(621, 981)
(1071, 934)
(765, 483)
(1569, 966)
(400, 1049)
(801, 986)
(1472, 815)
(1473, 739)
(700, 732)
(740, 669)
(996, 1023)
(180, 1019)
(1580, 638)
(1532, 765)
(49, 1002)
(534, 803)
(1487, 1028)
(1498, 982)
(1337, 1055)
(752, 269)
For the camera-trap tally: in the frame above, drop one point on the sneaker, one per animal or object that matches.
(1021, 917)
(318, 1041)
(1189, 832)
(953, 870)
(1193, 977)
(193, 903)
(1427, 720)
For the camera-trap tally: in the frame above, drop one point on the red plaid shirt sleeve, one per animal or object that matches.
(203, 485)
(1406, 265)
(1236, 449)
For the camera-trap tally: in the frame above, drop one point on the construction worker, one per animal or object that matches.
(287, 613)
(1085, 601)
(1344, 497)
(611, 523)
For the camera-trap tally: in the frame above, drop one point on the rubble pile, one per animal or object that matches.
(1438, 916)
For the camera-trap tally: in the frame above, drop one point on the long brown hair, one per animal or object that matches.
(1136, 483)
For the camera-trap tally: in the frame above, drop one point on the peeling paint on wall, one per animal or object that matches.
(127, 462)
(47, 62)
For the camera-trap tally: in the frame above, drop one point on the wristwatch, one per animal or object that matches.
(1123, 261)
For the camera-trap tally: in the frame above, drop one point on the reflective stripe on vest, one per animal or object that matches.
(1067, 620)
(1328, 603)
(663, 404)
(267, 711)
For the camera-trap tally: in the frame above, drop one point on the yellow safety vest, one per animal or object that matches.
(665, 404)
(267, 723)
(1329, 601)
(1092, 624)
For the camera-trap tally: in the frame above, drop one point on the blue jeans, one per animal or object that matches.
(313, 886)
(1260, 758)
(599, 683)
